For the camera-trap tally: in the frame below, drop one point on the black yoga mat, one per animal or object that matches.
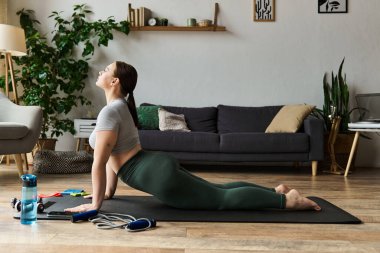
(150, 207)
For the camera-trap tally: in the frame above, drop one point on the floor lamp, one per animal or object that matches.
(12, 43)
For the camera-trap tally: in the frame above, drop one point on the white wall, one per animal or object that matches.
(252, 64)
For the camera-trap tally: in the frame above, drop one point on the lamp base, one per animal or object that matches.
(9, 71)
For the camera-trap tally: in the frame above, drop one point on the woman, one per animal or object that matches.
(118, 153)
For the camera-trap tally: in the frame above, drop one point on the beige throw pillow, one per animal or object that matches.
(168, 121)
(289, 118)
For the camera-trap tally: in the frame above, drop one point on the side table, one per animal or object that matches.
(83, 129)
(355, 143)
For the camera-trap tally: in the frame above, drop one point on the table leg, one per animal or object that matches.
(78, 143)
(353, 148)
(18, 160)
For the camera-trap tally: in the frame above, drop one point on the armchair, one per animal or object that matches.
(20, 128)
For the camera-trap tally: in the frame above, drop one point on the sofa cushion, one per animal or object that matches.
(148, 117)
(179, 141)
(264, 143)
(12, 131)
(238, 119)
(169, 121)
(202, 119)
(289, 118)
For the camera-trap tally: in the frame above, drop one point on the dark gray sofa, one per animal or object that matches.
(237, 134)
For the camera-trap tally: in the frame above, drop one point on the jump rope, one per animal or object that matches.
(115, 220)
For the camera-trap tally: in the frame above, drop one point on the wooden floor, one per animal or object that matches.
(357, 194)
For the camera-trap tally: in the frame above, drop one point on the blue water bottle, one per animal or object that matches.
(29, 199)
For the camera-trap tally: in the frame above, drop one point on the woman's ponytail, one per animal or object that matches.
(127, 75)
(132, 109)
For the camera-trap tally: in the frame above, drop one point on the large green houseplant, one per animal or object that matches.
(53, 73)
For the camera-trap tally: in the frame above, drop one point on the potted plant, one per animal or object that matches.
(53, 73)
(336, 115)
(336, 100)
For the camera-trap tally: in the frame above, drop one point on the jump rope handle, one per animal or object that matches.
(141, 224)
(83, 216)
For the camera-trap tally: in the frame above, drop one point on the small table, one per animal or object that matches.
(83, 129)
(355, 143)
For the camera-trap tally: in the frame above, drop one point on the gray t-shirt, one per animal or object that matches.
(116, 117)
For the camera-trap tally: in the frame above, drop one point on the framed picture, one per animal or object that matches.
(332, 6)
(263, 10)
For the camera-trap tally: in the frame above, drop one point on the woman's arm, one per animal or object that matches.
(105, 141)
(111, 182)
(110, 185)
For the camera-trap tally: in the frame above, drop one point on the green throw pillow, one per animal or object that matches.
(148, 117)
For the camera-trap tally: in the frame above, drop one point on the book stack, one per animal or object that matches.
(139, 16)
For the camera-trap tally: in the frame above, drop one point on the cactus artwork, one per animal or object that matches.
(332, 6)
(263, 10)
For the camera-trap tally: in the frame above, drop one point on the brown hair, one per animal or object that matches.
(127, 75)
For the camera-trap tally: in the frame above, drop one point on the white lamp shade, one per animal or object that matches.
(12, 40)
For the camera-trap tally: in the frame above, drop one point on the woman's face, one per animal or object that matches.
(106, 76)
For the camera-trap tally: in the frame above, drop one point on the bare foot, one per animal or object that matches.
(295, 201)
(282, 189)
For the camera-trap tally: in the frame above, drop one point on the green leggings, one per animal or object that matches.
(162, 176)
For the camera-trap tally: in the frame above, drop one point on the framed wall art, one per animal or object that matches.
(263, 10)
(332, 6)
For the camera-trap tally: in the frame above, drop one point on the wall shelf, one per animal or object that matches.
(212, 28)
(180, 28)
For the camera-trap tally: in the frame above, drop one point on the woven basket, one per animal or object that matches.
(62, 162)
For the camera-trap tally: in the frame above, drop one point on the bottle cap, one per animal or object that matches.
(29, 180)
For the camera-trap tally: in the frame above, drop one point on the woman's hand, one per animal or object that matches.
(81, 208)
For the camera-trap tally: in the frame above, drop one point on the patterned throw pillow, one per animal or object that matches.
(172, 122)
(148, 117)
